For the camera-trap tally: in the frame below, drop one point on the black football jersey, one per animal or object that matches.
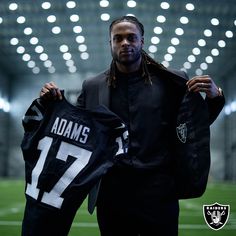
(66, 151)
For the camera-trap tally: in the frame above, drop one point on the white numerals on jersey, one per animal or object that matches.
(53, 197)
(44, 146)
(121, 143)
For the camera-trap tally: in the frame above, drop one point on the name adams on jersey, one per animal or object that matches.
(70, 130)
(66, 151)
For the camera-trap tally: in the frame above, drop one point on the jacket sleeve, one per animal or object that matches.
(215, 106)
(82, 97)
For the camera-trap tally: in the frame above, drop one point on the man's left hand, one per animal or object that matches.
(204, 83)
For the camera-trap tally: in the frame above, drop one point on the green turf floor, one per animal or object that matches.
(191, 223)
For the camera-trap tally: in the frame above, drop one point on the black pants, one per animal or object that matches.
(129, 206)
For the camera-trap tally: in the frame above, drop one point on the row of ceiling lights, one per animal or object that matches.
(195, 51)
(80, 39)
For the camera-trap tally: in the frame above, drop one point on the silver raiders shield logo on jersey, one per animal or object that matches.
(181, 131)
(216, 215)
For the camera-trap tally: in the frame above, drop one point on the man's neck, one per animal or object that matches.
(129, 68)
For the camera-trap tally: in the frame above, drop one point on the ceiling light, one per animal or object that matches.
(175, 41)
(13, 6)
(155, 40)
(168, 57)
(129, 14)
(187, 65)
(51, 69)
(20, 49)
(198, 72)
(56, 30)
(204, 66)
(152, 48)
(74, 18)
(34, 40)
(201, 42)
(105, 16)
(64, 48)
(233, 106)
(161, 19)
(36, 70)
(84, 55)
(209, 59)
(221, 43)
(1, 20)
(67, 56)
(165, 5)
(82, 48)
(207, 33)
(131, 3)
(14, 41)
(26, 57)
(39, 49)
(20, 19)
(71, 4)
(179, 31)
(165, 63)
(77, 29)
(28, 31)
(104, 3)
(196, 51)
(215, 21)
(227, 110)
(47, 63)
(229, 34)
(70, 62)
(158, 30)
(184, 20)
(43, 57)
(171, 50)
(191, 58)
(80, 39)
(72, 69)
(31, 64)
(51, 19)
(4, 105)
(189, 6)
(215, 52)
(46, 5)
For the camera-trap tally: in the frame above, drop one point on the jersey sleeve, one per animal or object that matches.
(115, 127)
(33, 116)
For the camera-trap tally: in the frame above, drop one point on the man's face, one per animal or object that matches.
(126, 43)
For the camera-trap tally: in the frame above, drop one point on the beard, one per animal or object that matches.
(127, 60)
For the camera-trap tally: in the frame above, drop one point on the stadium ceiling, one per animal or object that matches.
(60, 37)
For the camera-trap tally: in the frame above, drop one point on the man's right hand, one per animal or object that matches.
(50, 91)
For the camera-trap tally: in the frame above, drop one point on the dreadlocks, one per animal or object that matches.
(146, 59)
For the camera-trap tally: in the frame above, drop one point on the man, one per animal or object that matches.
(138, 197)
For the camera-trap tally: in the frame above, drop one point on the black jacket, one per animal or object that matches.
(172, 128)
